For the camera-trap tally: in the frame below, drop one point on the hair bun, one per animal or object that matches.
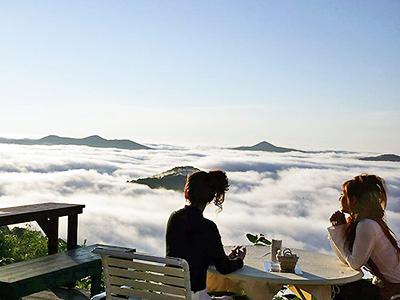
(202, 187)
(373, 182)
(218, 181)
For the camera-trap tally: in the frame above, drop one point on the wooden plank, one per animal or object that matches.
(107, 283)
(48, 280)
(48, 264)
(10, 279)
(147, 285)
(37, 267)
(22, 281)
(29, 213)
(59, 293)
(177, 281)
(143, 294)
(133, 255)
(122, 263)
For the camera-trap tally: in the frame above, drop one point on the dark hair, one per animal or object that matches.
(370, 202)
(370, 192)
(202, 187)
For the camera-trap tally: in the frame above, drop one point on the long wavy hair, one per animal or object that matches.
(366, 198)
(204, 187)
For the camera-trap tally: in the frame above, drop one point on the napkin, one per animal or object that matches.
(267, 268)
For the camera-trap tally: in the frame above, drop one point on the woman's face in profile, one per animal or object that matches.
(344, 203)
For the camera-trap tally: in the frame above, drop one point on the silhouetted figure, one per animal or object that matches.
(196, 239)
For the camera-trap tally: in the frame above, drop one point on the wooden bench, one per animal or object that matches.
(31, 276)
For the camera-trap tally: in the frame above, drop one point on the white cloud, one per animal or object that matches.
(288, 195)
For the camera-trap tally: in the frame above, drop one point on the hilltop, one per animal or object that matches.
(91, 141)
(173, 179)
(383, 157)
(265, 146)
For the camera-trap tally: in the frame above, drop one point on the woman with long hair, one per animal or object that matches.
(196, 239)
(364, 239)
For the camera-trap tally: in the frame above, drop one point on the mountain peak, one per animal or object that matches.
(94, 138)
(51, 136)
(265, 146)
(264, 143)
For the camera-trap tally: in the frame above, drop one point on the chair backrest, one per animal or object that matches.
(144, 276)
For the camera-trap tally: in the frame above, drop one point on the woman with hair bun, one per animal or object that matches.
(364, 239)
(196, 239)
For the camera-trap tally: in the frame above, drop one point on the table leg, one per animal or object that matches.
(253, 289)
(259, 290)
(95, 287)
(303, 295)
(220, 283)
(72, 243)
(320, 292)
(72, 235)
(50, 228)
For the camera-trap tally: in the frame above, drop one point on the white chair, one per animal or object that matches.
(139, 276)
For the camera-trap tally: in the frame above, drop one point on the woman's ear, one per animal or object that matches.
(186, 194)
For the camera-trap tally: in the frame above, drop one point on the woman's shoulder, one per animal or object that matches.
(176, 215)
(210, 224)
(369, 225)
(176, 212)
(368, 222)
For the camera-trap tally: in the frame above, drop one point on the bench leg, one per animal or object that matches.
(95, 287)
(11, 294)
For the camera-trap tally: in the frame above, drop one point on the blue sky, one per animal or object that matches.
(310, 74)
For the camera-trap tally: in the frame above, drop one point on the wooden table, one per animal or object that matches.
(47, 216)
(320, 272)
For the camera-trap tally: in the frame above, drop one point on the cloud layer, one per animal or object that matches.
(284, 195)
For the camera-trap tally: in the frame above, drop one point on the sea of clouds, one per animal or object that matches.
(283, 195)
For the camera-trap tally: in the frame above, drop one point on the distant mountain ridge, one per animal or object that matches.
(91, 141)
(265, 146)
(383, 157)
(173, 179)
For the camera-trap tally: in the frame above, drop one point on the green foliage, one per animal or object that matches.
(286, 297)
(84, 283)
(286, 294)
(258, 240)
(18, 244)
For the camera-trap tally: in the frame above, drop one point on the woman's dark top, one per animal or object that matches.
(196, 239)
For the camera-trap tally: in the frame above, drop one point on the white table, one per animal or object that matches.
(320, 272)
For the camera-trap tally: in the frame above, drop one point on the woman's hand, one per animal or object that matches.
(337, 218)
(242, 253)
(234, 252)
(238, 251)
